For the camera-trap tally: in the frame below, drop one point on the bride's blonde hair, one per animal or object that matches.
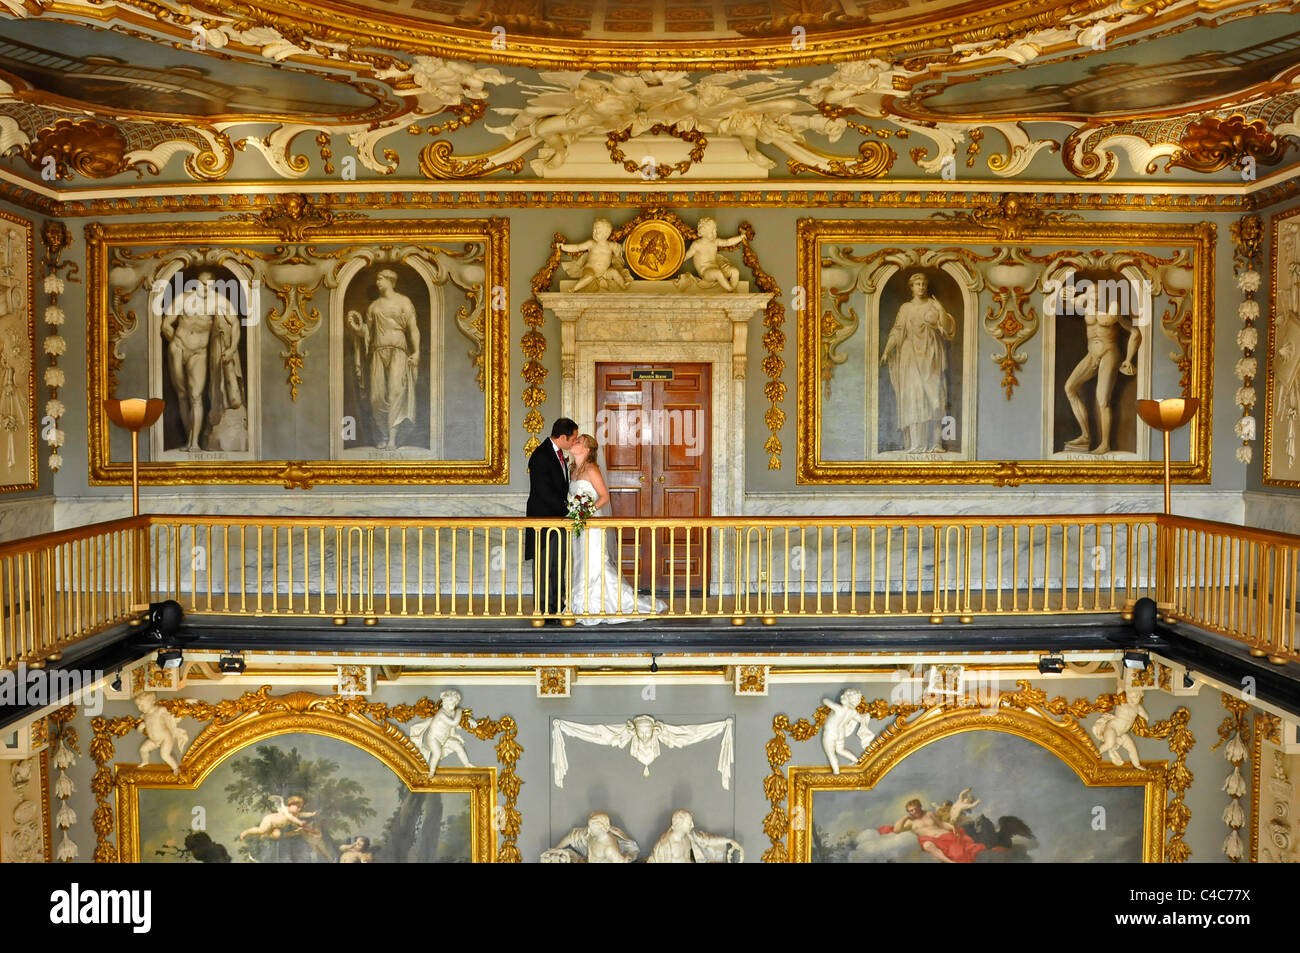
(588, 441)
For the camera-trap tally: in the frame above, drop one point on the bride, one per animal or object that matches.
(598, 589)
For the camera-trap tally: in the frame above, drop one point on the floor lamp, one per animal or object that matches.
(135, 414)
(1167, 416)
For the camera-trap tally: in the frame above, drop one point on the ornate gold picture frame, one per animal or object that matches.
(387, 745)
(1282, 357)
(990, 273)
(19, 422)
(352, 307)
(1065, 740)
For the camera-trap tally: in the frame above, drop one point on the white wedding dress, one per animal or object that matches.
(598, 590)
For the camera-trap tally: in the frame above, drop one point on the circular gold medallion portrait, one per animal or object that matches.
(654, 250)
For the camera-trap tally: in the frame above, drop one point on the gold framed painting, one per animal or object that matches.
(970, 785)
(1282, 357)
(300, 346)
(313, 786)
(900, 320)
(19, 423)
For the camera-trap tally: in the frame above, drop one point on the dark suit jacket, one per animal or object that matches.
(548, 488)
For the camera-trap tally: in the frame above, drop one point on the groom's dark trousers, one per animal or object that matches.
(548, 493)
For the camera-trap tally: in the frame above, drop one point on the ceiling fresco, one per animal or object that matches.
(112, 93)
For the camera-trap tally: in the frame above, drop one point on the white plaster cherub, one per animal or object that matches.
(843, 721)
(601, 263)
(436, 737)
(286, 814)
(1112, 728)
(162, 731)
(709, 265)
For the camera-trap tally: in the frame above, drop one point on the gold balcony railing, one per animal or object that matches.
(62, 587)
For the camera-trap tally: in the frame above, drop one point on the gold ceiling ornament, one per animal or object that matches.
(1243, 138)
(437, 161)
(692, 137)
(1010, 217)
(230, 713)
(874, 160)
(1212, 143)
(359, 33)
(293, 216)
(533, 345)
(86, 147)
(654, 250)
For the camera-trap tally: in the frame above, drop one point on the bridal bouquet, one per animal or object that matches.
(582, 506)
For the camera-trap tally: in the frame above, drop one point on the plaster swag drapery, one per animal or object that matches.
(644, 737)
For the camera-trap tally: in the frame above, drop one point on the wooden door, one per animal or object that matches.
(656, 425)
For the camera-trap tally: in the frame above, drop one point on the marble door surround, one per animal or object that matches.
(655, 323)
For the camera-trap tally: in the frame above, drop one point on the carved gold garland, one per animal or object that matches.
(56, 238)
(1247, 247)
(385, 718)
(1175, 778)
(693, 137)
(1234, 731)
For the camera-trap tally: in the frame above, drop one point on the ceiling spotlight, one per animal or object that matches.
(169, 658)
(1188, 681)
(1051, 665)
(654, 665)
(231, 664)
(1137, 659)
(116, 684)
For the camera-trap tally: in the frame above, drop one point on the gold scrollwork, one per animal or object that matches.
(1267, 728)
(438, 161)
(873, 161)
(373, 726)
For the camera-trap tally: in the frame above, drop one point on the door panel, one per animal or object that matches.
(657, 458)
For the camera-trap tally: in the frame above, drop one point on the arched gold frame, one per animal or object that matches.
(218, 742)
(1067, 740)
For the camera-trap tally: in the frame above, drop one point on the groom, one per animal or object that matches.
(548, 495)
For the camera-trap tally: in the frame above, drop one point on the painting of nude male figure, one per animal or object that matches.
(1098, 350)
(981, 797)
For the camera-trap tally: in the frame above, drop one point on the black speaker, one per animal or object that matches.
(1144, 617)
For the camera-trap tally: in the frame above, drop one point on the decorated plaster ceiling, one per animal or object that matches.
(115, 91)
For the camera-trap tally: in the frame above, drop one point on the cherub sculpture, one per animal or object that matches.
(162, 732)
(683, 843)
(600, 842)
(711, 267)
(843, 721)
(601, 264)
(1112, 727)
(287, 814)
(436, 737)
